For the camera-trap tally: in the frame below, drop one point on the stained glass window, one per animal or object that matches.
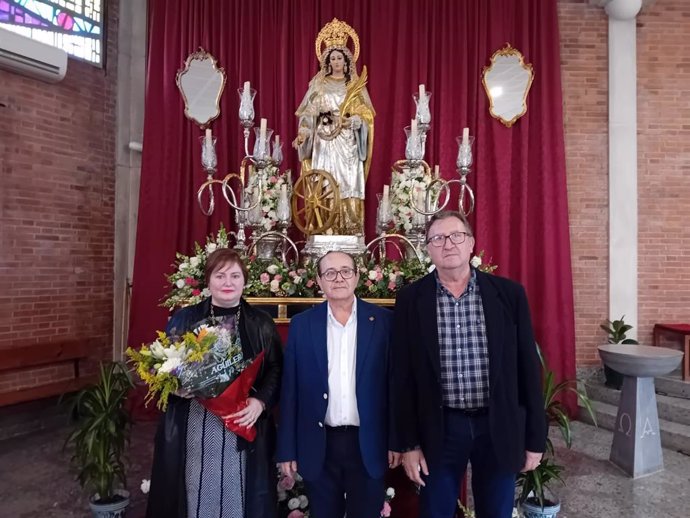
(73, 25)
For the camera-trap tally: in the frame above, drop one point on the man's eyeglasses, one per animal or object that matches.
(345, 273)
(457, 238)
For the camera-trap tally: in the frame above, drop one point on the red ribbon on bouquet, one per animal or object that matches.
(234, 398)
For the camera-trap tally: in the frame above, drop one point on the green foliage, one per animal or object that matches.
(616, 331)
(101, 431)
(538, 480)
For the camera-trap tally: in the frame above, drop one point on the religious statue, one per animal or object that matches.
(336, 123)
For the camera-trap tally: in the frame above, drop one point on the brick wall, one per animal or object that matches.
(584, 76)
(57, 183)
(663, 164)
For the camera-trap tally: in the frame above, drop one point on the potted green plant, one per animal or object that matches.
(99, 439)
(535, 497)
(616, 331)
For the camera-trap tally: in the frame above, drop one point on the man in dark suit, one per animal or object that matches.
(466, 379)
(334, 418)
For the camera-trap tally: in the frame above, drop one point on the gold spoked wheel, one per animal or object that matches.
(315, 202)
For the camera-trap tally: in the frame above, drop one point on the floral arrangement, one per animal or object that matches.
(273, 278)
(158, 363)
(292, 502)
(187, 281)
(406, 186)
(272, 181)
(383, 279)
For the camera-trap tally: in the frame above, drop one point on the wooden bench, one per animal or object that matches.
(39, 355)
(682, 330)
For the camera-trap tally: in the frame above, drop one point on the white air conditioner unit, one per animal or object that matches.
(31, 58)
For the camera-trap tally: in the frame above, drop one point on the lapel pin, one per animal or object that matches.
(371, 319)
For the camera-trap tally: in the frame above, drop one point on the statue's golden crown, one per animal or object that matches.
(335, 35)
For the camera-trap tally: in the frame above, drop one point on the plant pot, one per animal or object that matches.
(115, 509)
(614, 379)
(532, 509)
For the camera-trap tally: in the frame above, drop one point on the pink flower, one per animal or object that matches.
(292, 273)
(368, 283)
(386, 511)
(379, 275)
(310, 283)
(286, 483)
(196, 292)
(264, 278)
(189, 281)
(273, 179)
(296, 514)
(278, 277)
(391, 285)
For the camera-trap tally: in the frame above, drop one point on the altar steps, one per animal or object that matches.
(673, 404)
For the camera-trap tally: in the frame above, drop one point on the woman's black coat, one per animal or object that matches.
(167, 496)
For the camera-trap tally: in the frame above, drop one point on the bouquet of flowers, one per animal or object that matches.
(207, 363)
(292, 502)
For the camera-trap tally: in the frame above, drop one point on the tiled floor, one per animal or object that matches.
(35, 480)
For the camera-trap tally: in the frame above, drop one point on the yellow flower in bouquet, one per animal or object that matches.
(158, 363)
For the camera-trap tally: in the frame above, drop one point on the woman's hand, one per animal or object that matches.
(248, 415)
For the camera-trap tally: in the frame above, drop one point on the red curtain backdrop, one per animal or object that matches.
(521, 216)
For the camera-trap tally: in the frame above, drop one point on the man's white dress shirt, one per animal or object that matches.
(342, 361)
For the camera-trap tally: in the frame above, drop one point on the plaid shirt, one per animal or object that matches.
(463, 345)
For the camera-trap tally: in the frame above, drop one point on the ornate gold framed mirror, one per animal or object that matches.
(507, 82)
(201, 84)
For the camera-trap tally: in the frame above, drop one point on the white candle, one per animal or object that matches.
(422, 91)
(262, 131)
(413, 124)
(436, 171)
(246, 87)
(277, 140)
(465, 136)
(386, 194)
(209, 137)
(283, 191)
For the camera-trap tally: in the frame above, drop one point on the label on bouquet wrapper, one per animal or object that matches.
(211, 376)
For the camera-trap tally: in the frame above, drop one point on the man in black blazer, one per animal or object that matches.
(466, 379)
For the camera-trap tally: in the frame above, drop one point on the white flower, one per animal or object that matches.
(275, 285)
(392, 277)
(272, 269)
(183, 266)
(282, 495)
(170, 364)
(297, 279)
(476, 261)
(179, 283)
(293, 504)
(206, 293)
(372, 275)
(303, 501)
(210, 248)
(194, 261)
(516, 514)
(175, 352)
(431, 268)
(157, 350)
(390, 492)
(145, 486)
(297, 477)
